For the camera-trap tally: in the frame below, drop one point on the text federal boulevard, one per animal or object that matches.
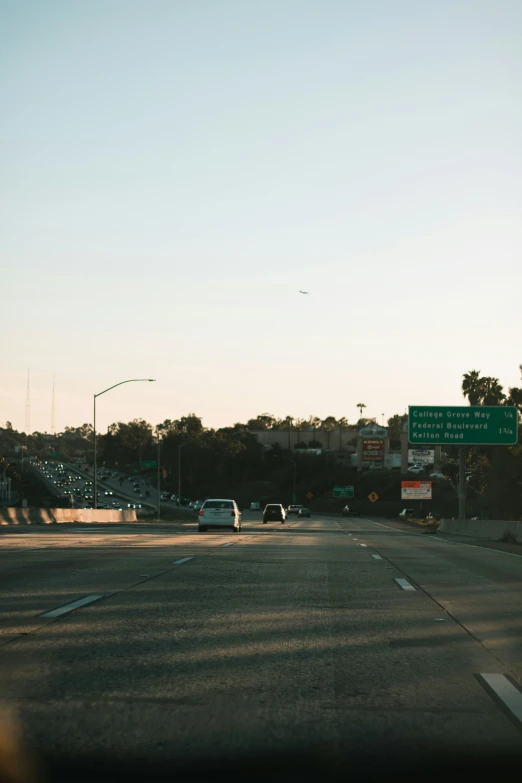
(464, 425)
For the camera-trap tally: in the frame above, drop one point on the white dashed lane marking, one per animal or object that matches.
(377, 557)
(403, 583)
(72, 606)
(182, 560)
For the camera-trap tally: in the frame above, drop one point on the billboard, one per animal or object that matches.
(421, 456)
(373, 452)
(415, 490)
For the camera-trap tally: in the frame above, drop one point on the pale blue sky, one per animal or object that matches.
(173, 172)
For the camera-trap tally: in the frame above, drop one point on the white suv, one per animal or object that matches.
(219, 512)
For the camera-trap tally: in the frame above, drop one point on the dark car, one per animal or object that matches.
(293, 508)
(274, 512)
(348, 511)
(304, 512)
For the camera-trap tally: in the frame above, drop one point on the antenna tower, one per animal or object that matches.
(53, 425)
(28, 408)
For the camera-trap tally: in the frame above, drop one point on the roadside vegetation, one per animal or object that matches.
(230, 461)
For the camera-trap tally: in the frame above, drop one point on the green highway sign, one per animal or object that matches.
(149, 463)
(463, 425)
(343, 492)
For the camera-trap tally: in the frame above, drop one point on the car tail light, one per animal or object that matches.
(201, 514)
(233, 513)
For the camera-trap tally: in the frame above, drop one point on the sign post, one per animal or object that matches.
(463, 425)
(462, 484)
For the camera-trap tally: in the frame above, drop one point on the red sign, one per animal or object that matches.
(416, 490)
(309, 495)
(373, 452)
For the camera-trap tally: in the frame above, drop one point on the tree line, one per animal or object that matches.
(214, 459)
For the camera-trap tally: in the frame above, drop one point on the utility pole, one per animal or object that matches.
(179, 475)
(462, 483)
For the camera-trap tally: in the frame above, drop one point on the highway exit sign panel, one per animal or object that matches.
(343, 492)
(463, 425)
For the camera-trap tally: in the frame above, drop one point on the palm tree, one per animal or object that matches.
(472, 385)
(328, 425)
(360, 405)
(287, 422)
(342, 422)
(492, 392)
(299, 424)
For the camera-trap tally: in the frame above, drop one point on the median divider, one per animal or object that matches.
(48, 516)
(488, 529)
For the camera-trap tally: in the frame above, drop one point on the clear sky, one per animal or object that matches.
(174, 171)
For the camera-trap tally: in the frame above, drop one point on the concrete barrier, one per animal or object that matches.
(489, 529)
(47, 516)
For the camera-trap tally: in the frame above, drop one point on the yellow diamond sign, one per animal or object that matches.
(373, 496)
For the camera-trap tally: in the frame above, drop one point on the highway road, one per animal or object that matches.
(151, 641)
(122, 494)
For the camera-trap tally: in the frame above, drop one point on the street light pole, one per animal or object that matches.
(159, 480)
(179, 470)
(131, 380)
(295, 476)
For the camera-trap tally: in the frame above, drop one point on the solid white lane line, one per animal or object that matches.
(510, 696)
(182, 560)
(29, 549)
(403, 583)
(447, 541)
(489, 549)
(72, 606)
(406, 532)
(363, 544)
(377, 557)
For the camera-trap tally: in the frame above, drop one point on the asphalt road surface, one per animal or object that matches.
(316, 632)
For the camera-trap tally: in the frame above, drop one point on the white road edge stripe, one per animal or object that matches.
(377, 557)
(182, 560)
(403, 583)
(407, 532)
(72, 606)
(230, 543)
(510, 696)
